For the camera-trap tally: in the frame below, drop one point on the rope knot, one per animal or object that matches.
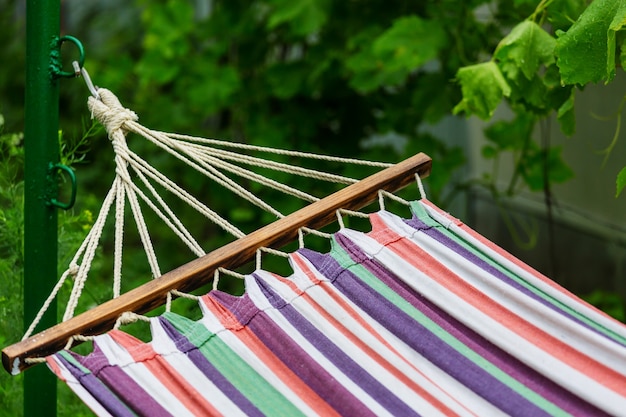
(73, 269)
(110, 112)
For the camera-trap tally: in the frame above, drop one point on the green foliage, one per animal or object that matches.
(586, 52)
(609, 302)
(72, 229)
(387, 59)
(302, 17)
(536, 72)
(11, 257)
(483, 88)
(621, 182)
(527, 47)
(313, 75)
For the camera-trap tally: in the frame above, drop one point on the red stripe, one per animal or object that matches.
(166, 374)
(492, 246)
(326, 287)
(267, 357)
(425, 263)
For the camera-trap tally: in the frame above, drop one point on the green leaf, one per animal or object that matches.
(619, 21)
(528, 46)
(533, 168)
(390, 57)
(586, 52)
(286, 79)
(566, 117)
(483, 87)
(562, 13)
(620, 182)
(303, 17)
(530, 93)
(489, 152)
(511, 135)
(622, 55)
(409, 43)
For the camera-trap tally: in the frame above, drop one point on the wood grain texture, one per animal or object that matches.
(200, 271)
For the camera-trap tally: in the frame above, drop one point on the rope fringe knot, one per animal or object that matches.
(110, 112)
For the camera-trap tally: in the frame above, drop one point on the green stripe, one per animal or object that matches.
(68, 357)
(343, 258)
(421, 213)
(253, 386)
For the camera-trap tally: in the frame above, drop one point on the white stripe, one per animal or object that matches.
(166, 348)
(573, 380)
(428, 376)
(604, 321)
(117, 355)
(82, 393)
(557, 325)
(257, 296)
(253, 360)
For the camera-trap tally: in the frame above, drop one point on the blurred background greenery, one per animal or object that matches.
(371, 79)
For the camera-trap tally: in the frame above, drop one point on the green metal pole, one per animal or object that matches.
(40, 220)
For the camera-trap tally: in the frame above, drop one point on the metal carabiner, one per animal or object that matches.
(80, 70)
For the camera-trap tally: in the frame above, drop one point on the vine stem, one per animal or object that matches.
(540, 8)
(544, 126)
(609, 149)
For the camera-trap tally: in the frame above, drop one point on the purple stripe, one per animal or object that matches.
(202, 363)
(292, 354)
(434, 233)
(338, 357)
(97, 389)
(122, 384)
(417, 336)
(499, 358)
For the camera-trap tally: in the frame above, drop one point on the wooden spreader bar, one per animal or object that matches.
(200, 271)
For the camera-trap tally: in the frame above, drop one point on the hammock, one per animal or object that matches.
(419, 316)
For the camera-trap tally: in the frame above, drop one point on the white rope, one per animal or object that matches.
(420, 187)
(255, 177)
(297, 154)
(205, 169)
(206, 156)
(128, 317)
(381, 198)
(168, 302)
(170, 186)
(79, 338)
(273, 165)
(119, 238)
(340, 212)
(303, 230)
(169, 218)
(90, 249)
(259, 255)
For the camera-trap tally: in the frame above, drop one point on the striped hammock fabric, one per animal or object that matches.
(420, 316)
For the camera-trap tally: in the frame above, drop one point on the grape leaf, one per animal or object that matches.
(302, 16)
(511, 135)
(566, 117)
(528, 46)
(619, 21)
(390, 57)
(409, 43)
(586, 52)
(622, 56)
(533, 168)
(620, 182)
(562, 13)
(483, 87)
